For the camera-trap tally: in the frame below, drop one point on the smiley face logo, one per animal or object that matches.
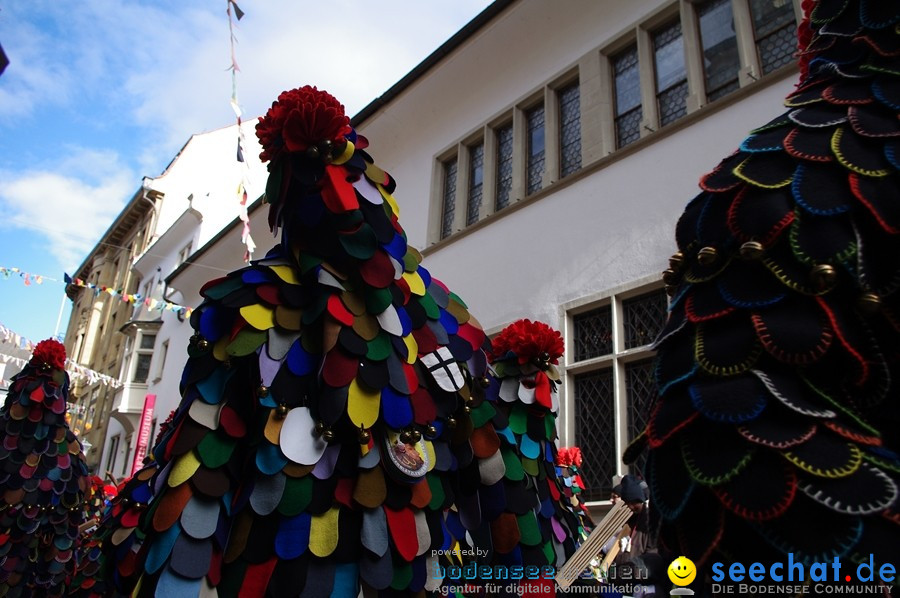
(682, 571)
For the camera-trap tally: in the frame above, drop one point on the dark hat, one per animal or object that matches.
(631, 490)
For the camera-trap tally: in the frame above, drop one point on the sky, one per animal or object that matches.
(100, 93)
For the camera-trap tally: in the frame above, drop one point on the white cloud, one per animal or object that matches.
(159, 72)
(356, 50)
(70, 211)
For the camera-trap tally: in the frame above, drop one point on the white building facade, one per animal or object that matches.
(201, 191)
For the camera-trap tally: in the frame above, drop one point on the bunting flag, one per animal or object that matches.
(246, 239)
(4, 61)
(27, 277)
(76, 372)
(130, 298)
(136, 298)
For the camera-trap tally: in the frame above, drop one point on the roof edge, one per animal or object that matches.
(472, 27)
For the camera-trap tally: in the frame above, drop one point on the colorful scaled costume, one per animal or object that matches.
(88, 581)
(778, 426)
(524, 357)
(43, 479)
(339, 426)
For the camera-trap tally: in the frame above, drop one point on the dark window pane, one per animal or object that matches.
(593, 333)
(147, 341)
(775, 32)
(504, 165)
(449, 203)
(628, 96)
(142, 369)
(640, 391)
(643, 318)
(570, 129)
(627, 80)
(672, 103)
(628, 127)
(671, 76)
(594, 433)
(668, 53)
(476, 183)
(720, 52)
(535, 120)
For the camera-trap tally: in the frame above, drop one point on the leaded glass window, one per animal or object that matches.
(570, 129)
(643, 318)
(721, 61)
(504, 165)
(671, 75)
(142, 368)
(594, 429)
(628, 96)
(476, 183)
(640, 392)
(775, 32)
(593, 333)
(449, 200)
(535, 119)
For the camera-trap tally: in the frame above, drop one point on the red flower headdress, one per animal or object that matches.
(49, 354)
(302, 120)
(568, 456)
(529, 342)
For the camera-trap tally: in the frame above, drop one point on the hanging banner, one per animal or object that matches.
(143, 441)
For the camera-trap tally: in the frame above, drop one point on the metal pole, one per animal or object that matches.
(59, 317)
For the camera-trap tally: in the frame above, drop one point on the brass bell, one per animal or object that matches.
(752, 250)
(451, 422)
(405, 437)
(312, 152)
(415, 436)
(484, 382)
(328, 435)
(676, 261)
(319, 429)
(364, 435)
(431, 430)
(823, 276)
(869, 302)
(670, 277)
(325, 151)
(467, 408)
(263, 390)
(202, 343)
(281, 411)
(707, 256)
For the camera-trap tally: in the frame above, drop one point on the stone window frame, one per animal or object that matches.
(616, 361)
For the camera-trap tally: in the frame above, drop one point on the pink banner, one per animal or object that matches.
(143, 441)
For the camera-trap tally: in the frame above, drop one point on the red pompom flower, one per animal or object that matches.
(301, 118)
(530, 342)
(49, 352)
(569, 456)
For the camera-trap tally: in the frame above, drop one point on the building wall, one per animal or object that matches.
(202, 188)
(92, 335)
